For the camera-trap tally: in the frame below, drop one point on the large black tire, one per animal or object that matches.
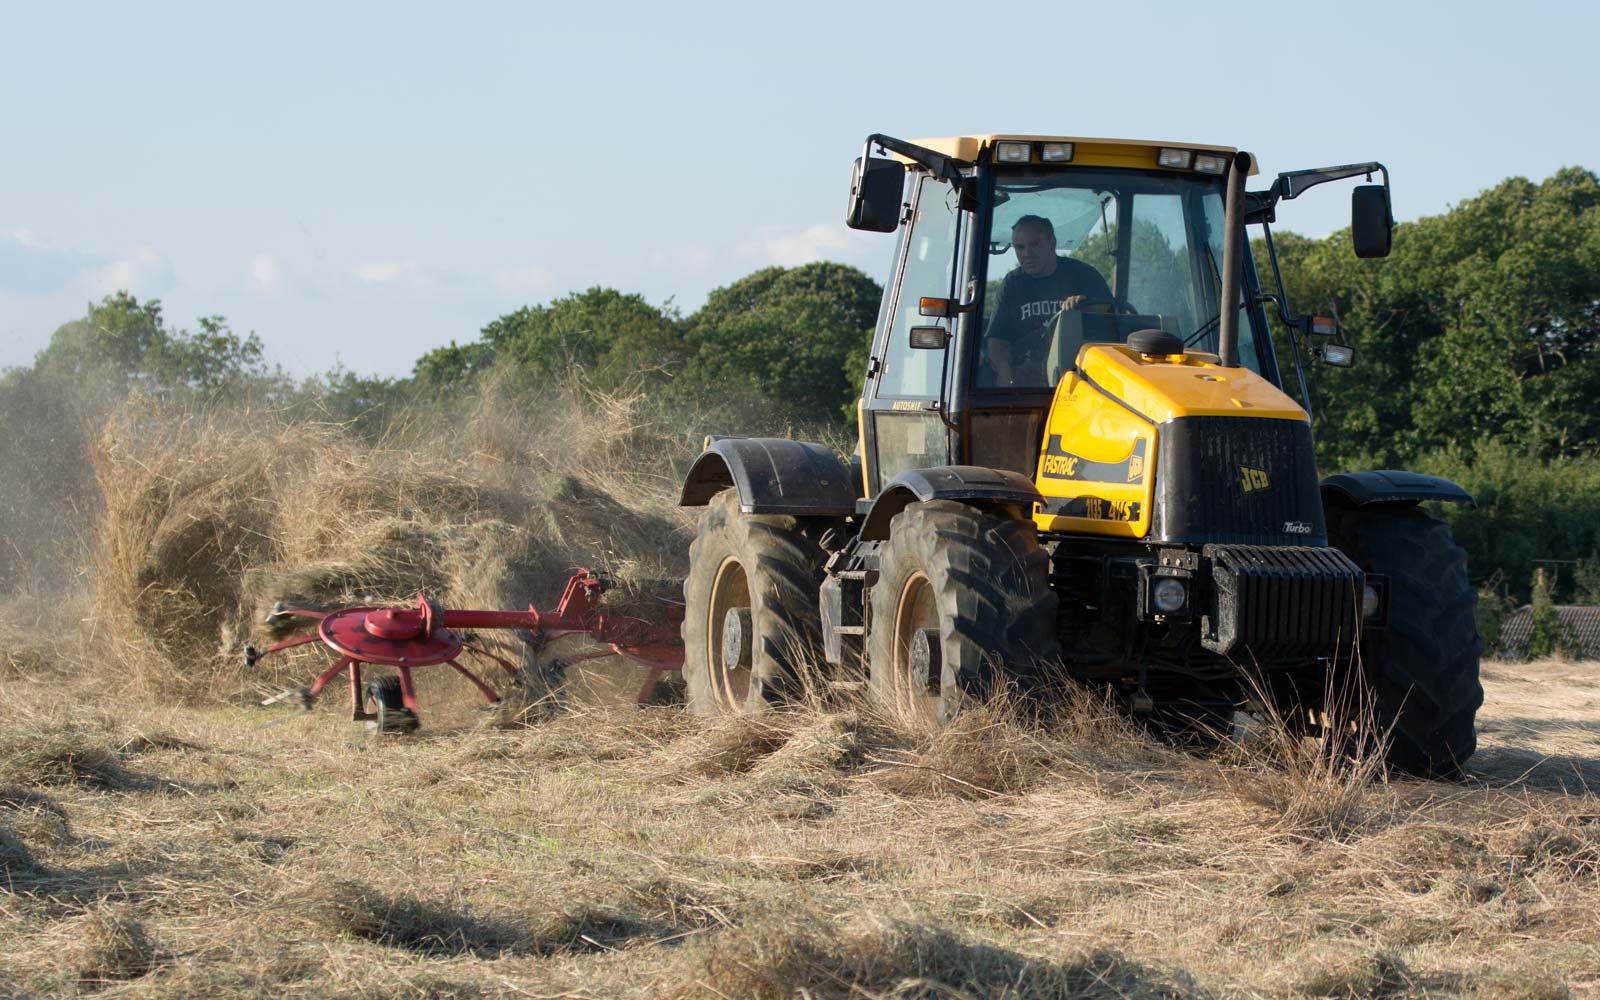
(977, 588)
(1421, 669)
(767, 568)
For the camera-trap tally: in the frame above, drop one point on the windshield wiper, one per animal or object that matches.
(1204, 329)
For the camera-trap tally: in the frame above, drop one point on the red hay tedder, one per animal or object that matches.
(426, 634)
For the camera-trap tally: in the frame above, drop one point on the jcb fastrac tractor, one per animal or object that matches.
(1077, 454)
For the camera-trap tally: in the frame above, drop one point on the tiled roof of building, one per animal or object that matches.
(1580, 622)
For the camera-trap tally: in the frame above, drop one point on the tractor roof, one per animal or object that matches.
(1086, 151)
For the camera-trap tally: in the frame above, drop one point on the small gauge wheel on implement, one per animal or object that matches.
(387, 708)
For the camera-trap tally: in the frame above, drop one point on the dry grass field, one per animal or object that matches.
(826, 853)
(157, 841)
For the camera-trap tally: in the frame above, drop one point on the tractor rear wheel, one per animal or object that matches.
(751, 621)
(962, 598)
(1420, 670)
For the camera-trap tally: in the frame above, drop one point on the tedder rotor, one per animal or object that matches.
(427, 634)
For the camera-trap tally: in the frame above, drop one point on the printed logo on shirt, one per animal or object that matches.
(1041, 309)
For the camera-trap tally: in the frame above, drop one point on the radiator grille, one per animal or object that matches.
(1244, 480)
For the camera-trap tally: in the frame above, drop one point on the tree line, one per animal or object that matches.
(1476, 359)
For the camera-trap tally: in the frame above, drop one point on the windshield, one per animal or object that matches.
(1085, 255)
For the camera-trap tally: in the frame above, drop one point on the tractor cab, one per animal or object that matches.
(1015, 253)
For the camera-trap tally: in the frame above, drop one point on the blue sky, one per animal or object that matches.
(358, 183)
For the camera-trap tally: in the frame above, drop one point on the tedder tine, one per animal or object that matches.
(504, 663)
(489, 693)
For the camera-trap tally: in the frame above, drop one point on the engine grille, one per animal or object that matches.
(1282, 600)
(1245, 480)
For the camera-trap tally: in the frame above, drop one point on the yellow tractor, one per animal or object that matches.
(1076, 454)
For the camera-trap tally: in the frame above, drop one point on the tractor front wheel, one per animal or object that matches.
(1420, 670)
(962, 598)
(751, 622)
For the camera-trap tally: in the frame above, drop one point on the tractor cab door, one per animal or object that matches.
(901, 424)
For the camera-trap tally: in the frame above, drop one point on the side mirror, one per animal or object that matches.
(1370, 225)
(876, 193)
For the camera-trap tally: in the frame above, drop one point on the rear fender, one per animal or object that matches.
(1389, 488)
(773, 476)
(970, 484)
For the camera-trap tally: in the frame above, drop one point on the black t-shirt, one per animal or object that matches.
(1025, 303)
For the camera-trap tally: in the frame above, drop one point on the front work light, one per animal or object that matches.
(1056, 152)
(1178, 158)
(1369, 602)
(1205, 163)
(1168, 594)
(1339, 355)
(1012, 152)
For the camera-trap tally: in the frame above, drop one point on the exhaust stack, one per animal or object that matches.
(1232, 259)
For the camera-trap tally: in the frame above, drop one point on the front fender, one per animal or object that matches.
(1389, 488)
(974, 484)
(773, 476)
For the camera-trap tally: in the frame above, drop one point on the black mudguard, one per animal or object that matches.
(1389, 488)
(773, 476)
(972, 484)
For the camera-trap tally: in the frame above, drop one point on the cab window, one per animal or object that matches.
(929, 271)
(1091, 255)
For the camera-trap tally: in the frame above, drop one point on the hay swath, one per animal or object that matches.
(426, 634)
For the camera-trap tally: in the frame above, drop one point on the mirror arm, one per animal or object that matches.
(942, 166)
(1261, 206)
(1297, 182)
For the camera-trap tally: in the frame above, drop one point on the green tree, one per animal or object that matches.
(121, 342)
(1482, 324)
(1586, 578)
(793, 336)
(1517, 356)
(614, 336)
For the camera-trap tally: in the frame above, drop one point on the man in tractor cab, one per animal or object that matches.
(1043, 284)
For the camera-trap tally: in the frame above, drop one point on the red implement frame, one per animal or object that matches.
(423, 635)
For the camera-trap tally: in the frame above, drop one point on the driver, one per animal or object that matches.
(1042, 285)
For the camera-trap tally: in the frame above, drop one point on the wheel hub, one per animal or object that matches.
(926, 669)
(738, 633)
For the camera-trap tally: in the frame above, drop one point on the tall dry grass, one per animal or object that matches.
(212, 518)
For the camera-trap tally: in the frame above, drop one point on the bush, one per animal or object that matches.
(1529, 509)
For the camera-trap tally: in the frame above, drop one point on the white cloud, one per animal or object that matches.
(527, 281)
(407, 276)
(144, 272)
(267, 276)
(391, 272)
(816, 242)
